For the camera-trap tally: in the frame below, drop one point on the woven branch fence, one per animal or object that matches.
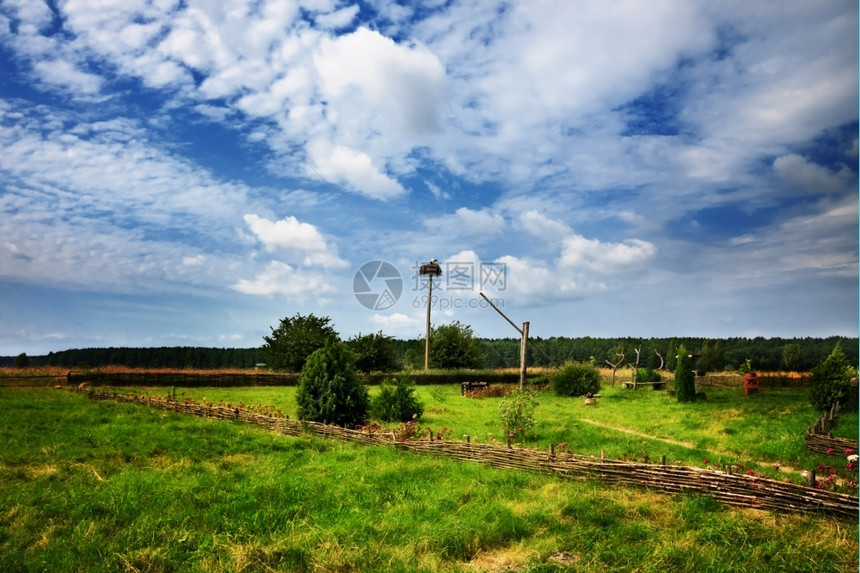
(819, 439)
(738, 490)
(182, 379)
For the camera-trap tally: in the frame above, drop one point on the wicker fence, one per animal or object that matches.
(732, 489)
(819, 439)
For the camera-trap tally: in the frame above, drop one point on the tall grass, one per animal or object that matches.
(102, 486)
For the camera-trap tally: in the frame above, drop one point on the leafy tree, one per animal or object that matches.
(685, 380)
(672, 355)
(713, 357)
(295, 340)
(831, 381)
(376, 352)
(330, 390)
(22, 361)
(516, 412)
(575, 379)
(396, 402)
(792, 356)
(455, 346)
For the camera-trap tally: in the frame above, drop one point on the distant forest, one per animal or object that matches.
(716, 354)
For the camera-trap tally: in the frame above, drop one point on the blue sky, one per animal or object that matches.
(190, 172)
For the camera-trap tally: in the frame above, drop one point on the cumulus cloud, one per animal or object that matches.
(799, 172)
(279, 278)
(290, 234)
(339, 164)
(366, 71)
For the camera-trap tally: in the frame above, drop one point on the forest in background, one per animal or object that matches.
(716, 354)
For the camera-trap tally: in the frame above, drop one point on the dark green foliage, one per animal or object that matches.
(576, 379)
(295, 340)
(685, 380)
(647, 375)
(455, 346)
(831, 381)
(376, 352)
(396, 402)
(22, 361)
(330, 390)
(712, 356)
(792, 356)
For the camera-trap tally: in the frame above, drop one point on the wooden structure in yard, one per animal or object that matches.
(751, 383)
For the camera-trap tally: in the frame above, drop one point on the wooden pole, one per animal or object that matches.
(427, 339)
(523, 347)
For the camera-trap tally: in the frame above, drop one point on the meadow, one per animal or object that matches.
(103, 486)
(752, 432)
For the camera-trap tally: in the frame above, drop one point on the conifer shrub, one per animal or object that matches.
(576, 379)
(396, 402)
(830, 382)
(685, 378)
(330, 390)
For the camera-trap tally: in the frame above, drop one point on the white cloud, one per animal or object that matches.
(64, 74)
(339, 164)
(590, 254)
(366, 72)
(288, 233)
(796, 170)
(279, 278)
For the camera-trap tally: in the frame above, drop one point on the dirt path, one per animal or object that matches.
(689, 445)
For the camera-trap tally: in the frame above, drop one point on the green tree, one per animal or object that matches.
(713, 357)
(376, 352)
(830, 382)
(792, 356)
(672, 356)
(455, 346)
(22, 361)
(330, 390)
(295, 340)
(685, 380)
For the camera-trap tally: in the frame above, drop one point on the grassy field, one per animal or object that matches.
(755, 432)
(102, 486)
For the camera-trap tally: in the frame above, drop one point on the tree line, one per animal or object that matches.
(455, 346)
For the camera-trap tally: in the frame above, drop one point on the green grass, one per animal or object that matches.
(103, 486)
(756, 432)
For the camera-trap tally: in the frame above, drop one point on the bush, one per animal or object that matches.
(685, 379)
(516, 412)
(647, 375)
(396, 402)
(329, 389)
(830, 382)
(576, 379)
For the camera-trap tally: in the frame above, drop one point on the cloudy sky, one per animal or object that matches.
(190, 172)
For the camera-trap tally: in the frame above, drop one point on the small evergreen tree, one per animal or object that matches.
(685, 379)
(831, 381)
(330, 390)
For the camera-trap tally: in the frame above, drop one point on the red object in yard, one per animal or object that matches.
(751, 383)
